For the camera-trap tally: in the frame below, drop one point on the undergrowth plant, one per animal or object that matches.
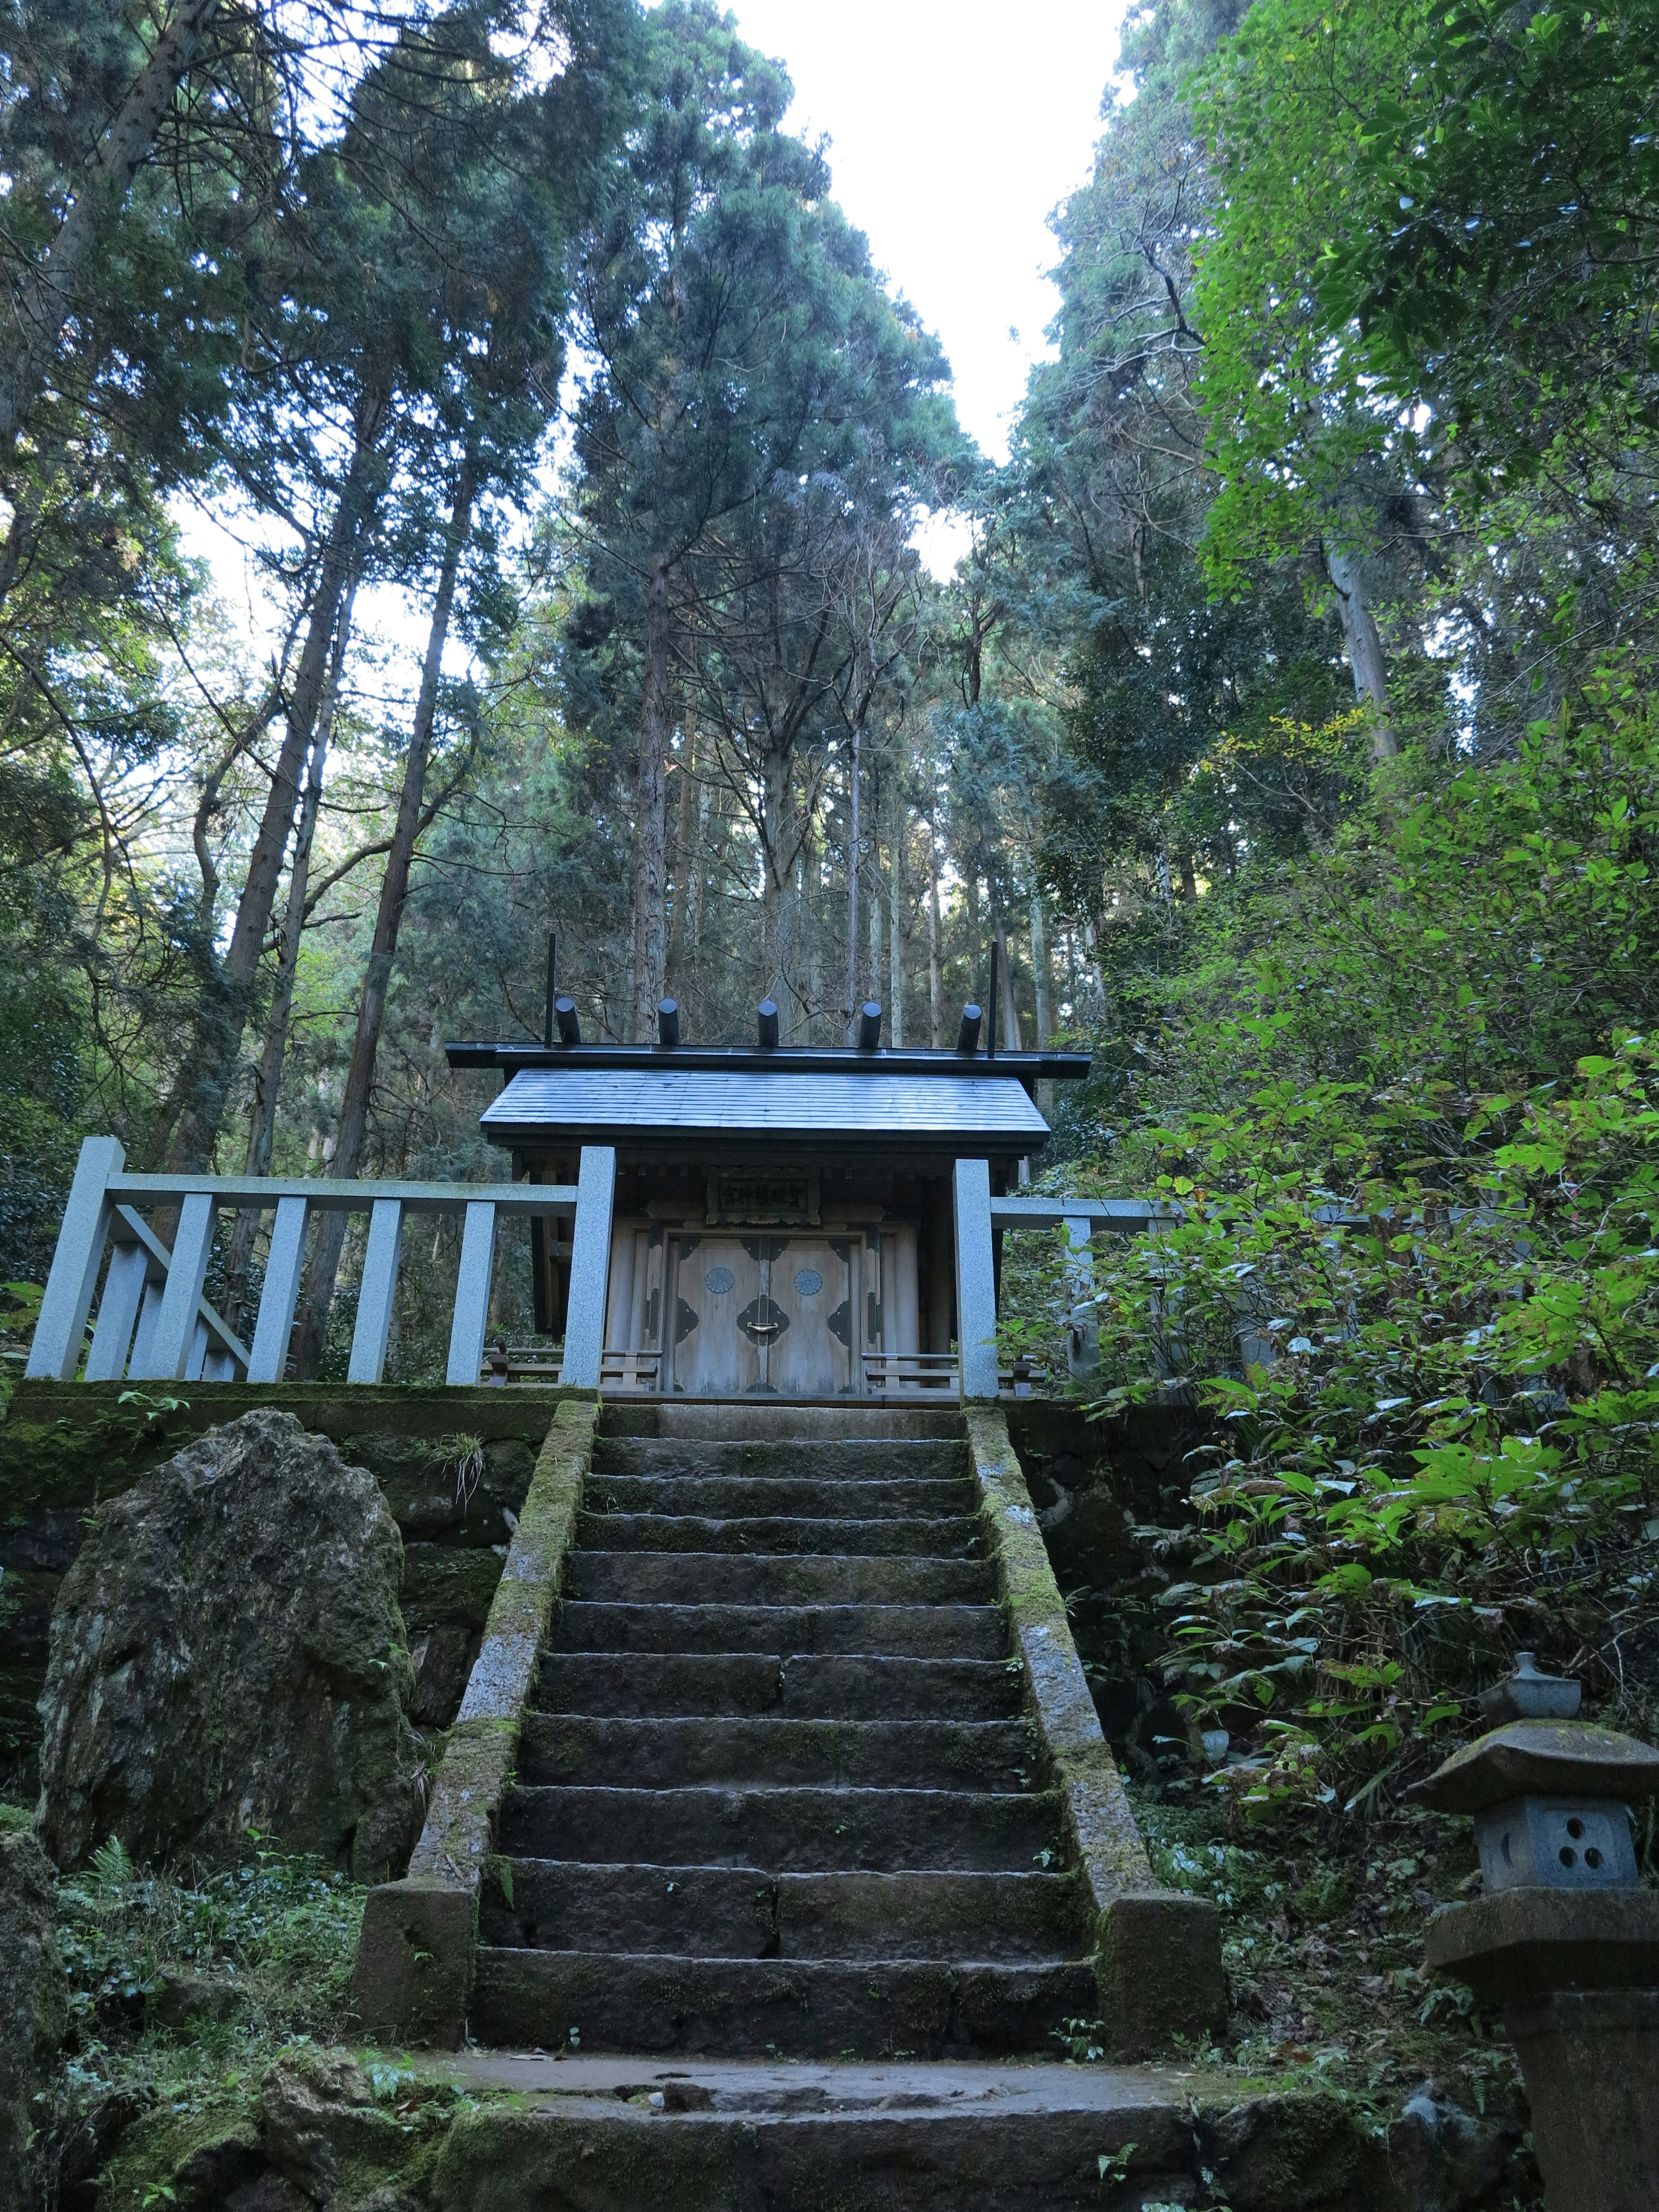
(1406, 1102)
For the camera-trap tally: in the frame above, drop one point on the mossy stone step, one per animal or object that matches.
(774, 1537)
(813, 1578)
(728, 1496)
(768, 1421)
(844, 1685)
(920, 1631)
(831, 1460)
(747, 1913)
(619, 2001)
(791, 1829)
(657, 1753)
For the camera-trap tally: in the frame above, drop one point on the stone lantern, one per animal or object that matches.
(1567, 1942)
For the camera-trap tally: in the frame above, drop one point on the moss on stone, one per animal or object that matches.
(414, 1968)
(1158, 1953)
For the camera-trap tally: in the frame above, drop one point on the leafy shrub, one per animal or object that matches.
(1401, 1098)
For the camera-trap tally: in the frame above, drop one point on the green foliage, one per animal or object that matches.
(1426, 292)
(1401, 1098)
(280, 1931)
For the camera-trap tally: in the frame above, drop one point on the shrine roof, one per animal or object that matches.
(977, 1114)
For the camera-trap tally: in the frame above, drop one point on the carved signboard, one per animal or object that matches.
(746, 1198)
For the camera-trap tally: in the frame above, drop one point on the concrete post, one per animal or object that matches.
(148, 1314)
(268, 1354)
(169, 1348)
(118, 1313)
(976, 1296)
(55, 1351)
(590, 1268)
(466, 1333)
(378, 1291)
(1083, 1341)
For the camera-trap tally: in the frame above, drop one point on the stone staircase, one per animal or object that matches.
(776, 1794)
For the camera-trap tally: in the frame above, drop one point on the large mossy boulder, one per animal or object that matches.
(32, 2005)
(227, 1654)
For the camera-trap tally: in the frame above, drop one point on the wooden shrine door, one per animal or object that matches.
(764, 1315)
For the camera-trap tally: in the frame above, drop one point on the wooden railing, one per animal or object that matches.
(912, 1375)
(154, 1324)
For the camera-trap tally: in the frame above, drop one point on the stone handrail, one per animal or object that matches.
(154, 1324)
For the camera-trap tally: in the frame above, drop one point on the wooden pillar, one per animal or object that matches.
(590, 1268)
(976, 1298)
(55, 1350)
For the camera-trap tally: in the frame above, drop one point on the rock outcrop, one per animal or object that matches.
(31, 2009)
(227, 1654)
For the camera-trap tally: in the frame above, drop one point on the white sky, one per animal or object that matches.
(956, 126)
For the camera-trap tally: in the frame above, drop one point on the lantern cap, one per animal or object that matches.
(1541, 1758)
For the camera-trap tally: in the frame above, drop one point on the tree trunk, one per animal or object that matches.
(1364, 646)
(262, 1125)
(935, 966)
(1010, 1036)
(679, 934)
(775, 870)
(852, 858)
(195, 1105)
(388, 920)
(46, 297)
(874, 968)
(1045, 1023)
(895, 941)
(698, 867)
(650, 954)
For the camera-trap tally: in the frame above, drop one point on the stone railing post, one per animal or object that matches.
(55, 1351)
(171, 1343)
(590, 1268)
(267, 1360)
(976, 1291)
(378, 1293)
(467, 1334)
(1083, 1337)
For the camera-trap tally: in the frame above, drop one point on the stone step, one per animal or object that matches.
(921, 1632)
(790, 1829)
(834, 1686)
(619, 2001)
(732, 1578)
(794, 1497)
(693, 1912)
(1033, 1917)
(897, 2134)
(772, 1537)
(837, 1461)
(744, 1912)
(663, 1753)
(762, 1422)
